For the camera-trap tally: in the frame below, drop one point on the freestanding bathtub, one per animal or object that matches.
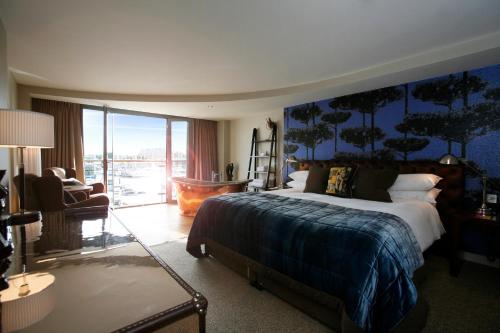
(191, 192)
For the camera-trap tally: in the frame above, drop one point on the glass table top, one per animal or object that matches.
(84, 274)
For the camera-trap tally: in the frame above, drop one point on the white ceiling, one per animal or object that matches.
(273, 53)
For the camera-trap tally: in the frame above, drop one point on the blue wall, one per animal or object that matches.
(457, 113)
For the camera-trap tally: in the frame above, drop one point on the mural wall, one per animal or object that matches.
(458, 113)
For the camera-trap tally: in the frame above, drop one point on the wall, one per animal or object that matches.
(4, 92)
(241, 139)
(458, 113)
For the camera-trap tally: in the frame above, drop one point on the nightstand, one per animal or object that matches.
(489, 227)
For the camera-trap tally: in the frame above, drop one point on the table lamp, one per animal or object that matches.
(453, 160)
(25, 129)
(291, 160)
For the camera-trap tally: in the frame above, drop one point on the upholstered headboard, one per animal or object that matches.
(452, 185)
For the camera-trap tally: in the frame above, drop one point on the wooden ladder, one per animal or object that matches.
(271, 160)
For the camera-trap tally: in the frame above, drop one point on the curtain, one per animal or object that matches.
(68, 141)
(202, 149)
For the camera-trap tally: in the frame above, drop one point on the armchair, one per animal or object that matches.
(67, 173)
(47, 194)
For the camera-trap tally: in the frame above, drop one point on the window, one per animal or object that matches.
(128, 153)
(179, 134)
(93, 138)
(137, 159)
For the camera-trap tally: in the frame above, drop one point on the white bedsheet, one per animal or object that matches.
(422, 217)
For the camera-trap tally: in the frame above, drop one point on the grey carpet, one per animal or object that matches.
(470, 303)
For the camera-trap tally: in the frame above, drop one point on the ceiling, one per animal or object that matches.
(228, 59)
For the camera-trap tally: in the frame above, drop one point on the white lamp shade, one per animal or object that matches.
(19, 128)
(19, 312)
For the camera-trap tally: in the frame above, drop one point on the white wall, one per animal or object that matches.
(240, 135)
(4, 92)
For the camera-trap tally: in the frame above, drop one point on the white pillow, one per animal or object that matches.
(300, 176)
(415, 182)
(427, 196)
(297, 185)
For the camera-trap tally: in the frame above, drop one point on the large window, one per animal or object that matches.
(179, 150)
(137, 163)
(93, 138)
(128, 152)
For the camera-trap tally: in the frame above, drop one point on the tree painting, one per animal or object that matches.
(289, 149)
(310, 137)
(313, 134)
(360, 136)
(410, 120)
(445, 92)
(334, 120)
(405, 145)
(370, 103)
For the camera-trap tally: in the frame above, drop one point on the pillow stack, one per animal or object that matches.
(415, 186)
(372, 184)
(299, 179)
(384, 185)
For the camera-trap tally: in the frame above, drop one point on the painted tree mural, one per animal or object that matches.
(313, 134)
(405, 145)
(445, 92)
(367, 103)
(420, 120)
(334, 120)
(290, 149)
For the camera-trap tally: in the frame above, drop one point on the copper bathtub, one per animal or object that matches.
(191, 192)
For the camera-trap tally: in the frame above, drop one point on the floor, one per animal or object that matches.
(164, 223)
(469, 303)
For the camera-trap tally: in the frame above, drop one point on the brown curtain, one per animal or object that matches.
(68, 140)
(202, 149)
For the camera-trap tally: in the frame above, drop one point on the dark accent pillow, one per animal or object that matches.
(372, 184)
(340, 181)
(317, 180)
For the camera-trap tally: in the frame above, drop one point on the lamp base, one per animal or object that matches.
(483, 211)
(25, 217)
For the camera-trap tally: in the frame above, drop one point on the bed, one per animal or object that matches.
(352, 264)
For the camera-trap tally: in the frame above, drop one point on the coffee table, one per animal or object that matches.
(88, 273)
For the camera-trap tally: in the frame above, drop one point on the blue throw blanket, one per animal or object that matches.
(365, 258)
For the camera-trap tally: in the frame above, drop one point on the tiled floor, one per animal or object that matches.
(155, 224)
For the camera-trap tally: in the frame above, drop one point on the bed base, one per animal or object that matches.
(325, 308)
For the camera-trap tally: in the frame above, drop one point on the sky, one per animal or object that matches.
(129, 134)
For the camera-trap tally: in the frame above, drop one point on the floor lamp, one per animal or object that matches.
(25, 129)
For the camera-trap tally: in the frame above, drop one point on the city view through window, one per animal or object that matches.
(136, 160)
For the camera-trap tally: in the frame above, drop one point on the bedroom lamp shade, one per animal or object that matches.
(449, 159)
(27, 129)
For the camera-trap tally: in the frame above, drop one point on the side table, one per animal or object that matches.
(489, 228)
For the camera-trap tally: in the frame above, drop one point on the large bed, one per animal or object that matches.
(350, 263)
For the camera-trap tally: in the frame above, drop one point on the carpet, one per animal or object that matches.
(469, 303)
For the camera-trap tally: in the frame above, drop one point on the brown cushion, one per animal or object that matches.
(317, 180)
(372, 184)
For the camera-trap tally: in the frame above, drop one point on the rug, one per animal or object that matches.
(469, 303)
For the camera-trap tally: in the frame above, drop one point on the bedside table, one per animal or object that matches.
(489, 228)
